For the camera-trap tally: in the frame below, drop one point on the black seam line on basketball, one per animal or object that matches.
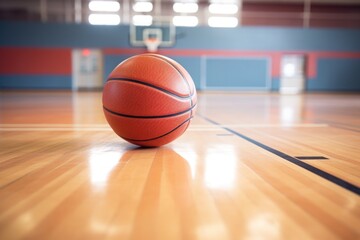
(338, 181)
(150, 139)
(147, 117)
(153, 86)
(183, 77)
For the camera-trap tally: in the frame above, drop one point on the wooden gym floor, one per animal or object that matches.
(250, 166)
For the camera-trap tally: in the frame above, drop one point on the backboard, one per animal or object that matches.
(161, 29)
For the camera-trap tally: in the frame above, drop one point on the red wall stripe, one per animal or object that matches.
(275, 56)
(275, 65)
(57, 61)
(51, 61)
(311, 69)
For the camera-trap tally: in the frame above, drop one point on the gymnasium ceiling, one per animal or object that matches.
(252, 12)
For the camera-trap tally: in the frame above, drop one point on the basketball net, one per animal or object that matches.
(152, 44)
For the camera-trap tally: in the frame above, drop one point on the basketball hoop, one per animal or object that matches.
(152, 44)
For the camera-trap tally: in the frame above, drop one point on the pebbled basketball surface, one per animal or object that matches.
(149, 100)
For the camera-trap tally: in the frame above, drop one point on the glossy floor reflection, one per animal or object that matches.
(65, 175)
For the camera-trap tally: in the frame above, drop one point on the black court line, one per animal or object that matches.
(311, 158)
(338, 181)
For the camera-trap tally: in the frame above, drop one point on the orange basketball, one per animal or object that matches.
(149, 100)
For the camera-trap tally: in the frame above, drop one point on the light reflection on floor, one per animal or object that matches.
(101, 164)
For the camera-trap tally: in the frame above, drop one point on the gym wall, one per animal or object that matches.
(36, 55)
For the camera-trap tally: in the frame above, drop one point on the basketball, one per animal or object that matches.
(149, 100)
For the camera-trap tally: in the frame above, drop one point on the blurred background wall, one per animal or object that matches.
(36, 45)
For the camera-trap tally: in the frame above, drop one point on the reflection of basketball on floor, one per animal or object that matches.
(149, 100)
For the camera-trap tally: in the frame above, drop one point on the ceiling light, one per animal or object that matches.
(185, 7)
(104, 19)
(185, 21)
(142, 20)
(223, 8)
(143, 7)
(227, 22)
(104, 6)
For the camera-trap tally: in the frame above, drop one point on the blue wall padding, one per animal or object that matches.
(336, 75)
(35, 82)
(275, 84)
(238, 73)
